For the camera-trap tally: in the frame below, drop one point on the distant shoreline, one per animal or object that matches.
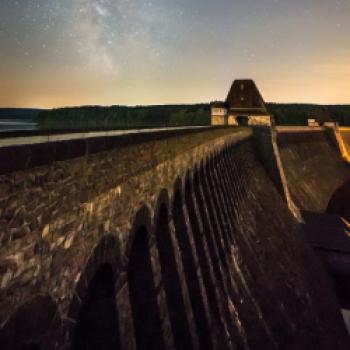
(15, 122)
(17, 125)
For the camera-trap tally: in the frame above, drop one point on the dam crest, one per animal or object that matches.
(223, 237)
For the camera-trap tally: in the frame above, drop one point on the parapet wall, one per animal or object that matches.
(52, 206)
(174, 242)
(268, 152)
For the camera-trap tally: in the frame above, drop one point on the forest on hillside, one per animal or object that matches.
(297, 114)
(97, 117)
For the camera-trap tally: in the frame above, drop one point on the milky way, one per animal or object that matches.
(111, 33)
(70, 52)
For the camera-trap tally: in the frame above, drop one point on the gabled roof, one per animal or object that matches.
(245, 97)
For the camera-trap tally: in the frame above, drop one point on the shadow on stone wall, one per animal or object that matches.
(218, 263)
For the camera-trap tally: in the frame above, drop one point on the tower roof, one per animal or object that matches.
(244, 97)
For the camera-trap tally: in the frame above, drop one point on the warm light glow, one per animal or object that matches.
(73, 52)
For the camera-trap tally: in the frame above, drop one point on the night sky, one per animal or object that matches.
(73, 52)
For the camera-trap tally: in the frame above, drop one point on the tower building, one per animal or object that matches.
(244, 105)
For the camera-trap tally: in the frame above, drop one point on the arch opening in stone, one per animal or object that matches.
(242, 120)
(171, 281)
(204, 260)
(143, 300)
(188, 262)
(97, 323)
(35, 325)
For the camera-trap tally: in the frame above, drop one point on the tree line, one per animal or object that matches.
(93, 117)
(298, 114)
(97, 117)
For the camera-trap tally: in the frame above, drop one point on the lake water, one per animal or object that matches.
(15, 125)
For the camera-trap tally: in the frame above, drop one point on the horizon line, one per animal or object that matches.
(169, 104)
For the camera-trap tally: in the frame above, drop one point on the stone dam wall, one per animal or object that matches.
(171, 241)
(313, 166)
